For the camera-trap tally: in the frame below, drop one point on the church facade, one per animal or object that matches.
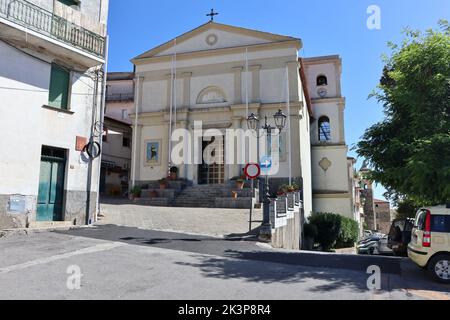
(215, 77)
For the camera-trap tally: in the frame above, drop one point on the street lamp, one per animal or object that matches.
(253, 123)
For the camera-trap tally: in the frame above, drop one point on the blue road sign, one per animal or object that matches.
(265, 163)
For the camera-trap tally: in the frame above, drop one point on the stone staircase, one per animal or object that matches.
(213, 196)
(198, 196)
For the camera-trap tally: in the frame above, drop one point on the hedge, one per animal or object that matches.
(334, 231)
(328, 227)
(349, 233)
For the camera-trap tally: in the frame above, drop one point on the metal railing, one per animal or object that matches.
(45, 22)
(120, 97)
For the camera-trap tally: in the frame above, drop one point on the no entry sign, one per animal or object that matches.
(252, 171)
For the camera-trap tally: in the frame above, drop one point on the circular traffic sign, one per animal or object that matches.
(252, 171)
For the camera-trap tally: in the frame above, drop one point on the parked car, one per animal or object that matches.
(400, 236)
(430, 242)
(374, 245)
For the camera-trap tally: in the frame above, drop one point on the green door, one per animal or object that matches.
(51, 189)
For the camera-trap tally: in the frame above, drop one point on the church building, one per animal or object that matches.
(219, 75)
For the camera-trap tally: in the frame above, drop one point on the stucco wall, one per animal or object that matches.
(333, 205)
(26, 126)
(336, 177)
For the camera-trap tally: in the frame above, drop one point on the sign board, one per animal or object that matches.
(252, 171)
(265, 164)
(80, 143)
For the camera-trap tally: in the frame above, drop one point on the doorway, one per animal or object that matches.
(51, 184)
(212, 173)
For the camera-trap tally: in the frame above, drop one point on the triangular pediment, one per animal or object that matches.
(213, 36)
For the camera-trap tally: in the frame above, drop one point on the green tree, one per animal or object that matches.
(409, 151)
(406, 208)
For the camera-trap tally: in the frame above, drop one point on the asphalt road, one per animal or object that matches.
(129, 263)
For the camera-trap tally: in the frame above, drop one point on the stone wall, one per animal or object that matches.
(369, 209)
(76, 206)
(74, 209)
(9, 218)
(383, 215)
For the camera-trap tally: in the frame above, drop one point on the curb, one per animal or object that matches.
(10, 233)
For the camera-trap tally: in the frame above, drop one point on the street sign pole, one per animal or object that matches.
(252, 171)
(251, 209)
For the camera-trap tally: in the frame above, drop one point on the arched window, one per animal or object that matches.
(322, 81)
(324, 129)
(211, 95)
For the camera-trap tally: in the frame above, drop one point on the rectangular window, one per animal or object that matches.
(59, 87)
(126, 142)
(440, 223)
(71, 3)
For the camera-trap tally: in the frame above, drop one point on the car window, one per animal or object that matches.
(400, 224)
(440, 223)
(420, 220)
(409, 225)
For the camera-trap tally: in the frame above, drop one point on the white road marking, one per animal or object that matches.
(93, 249)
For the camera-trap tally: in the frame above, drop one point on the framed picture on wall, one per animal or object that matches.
(153, 152)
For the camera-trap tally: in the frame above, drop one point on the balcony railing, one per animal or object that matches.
(45, 22)
(120, 97)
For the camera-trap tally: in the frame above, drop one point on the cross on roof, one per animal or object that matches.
(212, 14)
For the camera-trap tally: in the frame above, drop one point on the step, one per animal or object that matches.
(50, 224)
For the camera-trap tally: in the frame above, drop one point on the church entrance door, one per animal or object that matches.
(212, 173)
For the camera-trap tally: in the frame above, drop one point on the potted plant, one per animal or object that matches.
(240, 183)
(173, 173)
(280, 193)
(135, 192)
(310, 233)
(153, 194)
(162, 183)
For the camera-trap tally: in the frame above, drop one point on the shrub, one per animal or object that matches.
(136, 191)
(328, 228)
(348, 234)
(310, 231)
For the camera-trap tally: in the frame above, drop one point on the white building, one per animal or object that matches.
(116, 152)
(51, 86)
(220, 74)
(332, 191)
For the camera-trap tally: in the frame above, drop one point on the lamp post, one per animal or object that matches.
(253, 123)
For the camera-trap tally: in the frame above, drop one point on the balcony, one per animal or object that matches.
(120, 97)
(36, 21)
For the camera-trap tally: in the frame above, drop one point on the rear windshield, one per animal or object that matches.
(440, 223)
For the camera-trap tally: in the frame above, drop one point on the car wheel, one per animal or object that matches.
(439, 267)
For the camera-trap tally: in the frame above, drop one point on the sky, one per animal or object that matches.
(326, 27)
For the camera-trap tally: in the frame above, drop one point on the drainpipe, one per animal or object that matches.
(136, 102)
(88, 220)
(102, 119)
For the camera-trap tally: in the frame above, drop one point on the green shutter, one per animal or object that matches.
(59, 87)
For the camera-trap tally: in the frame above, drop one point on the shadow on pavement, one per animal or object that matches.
(234, 246)
(323, 280)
